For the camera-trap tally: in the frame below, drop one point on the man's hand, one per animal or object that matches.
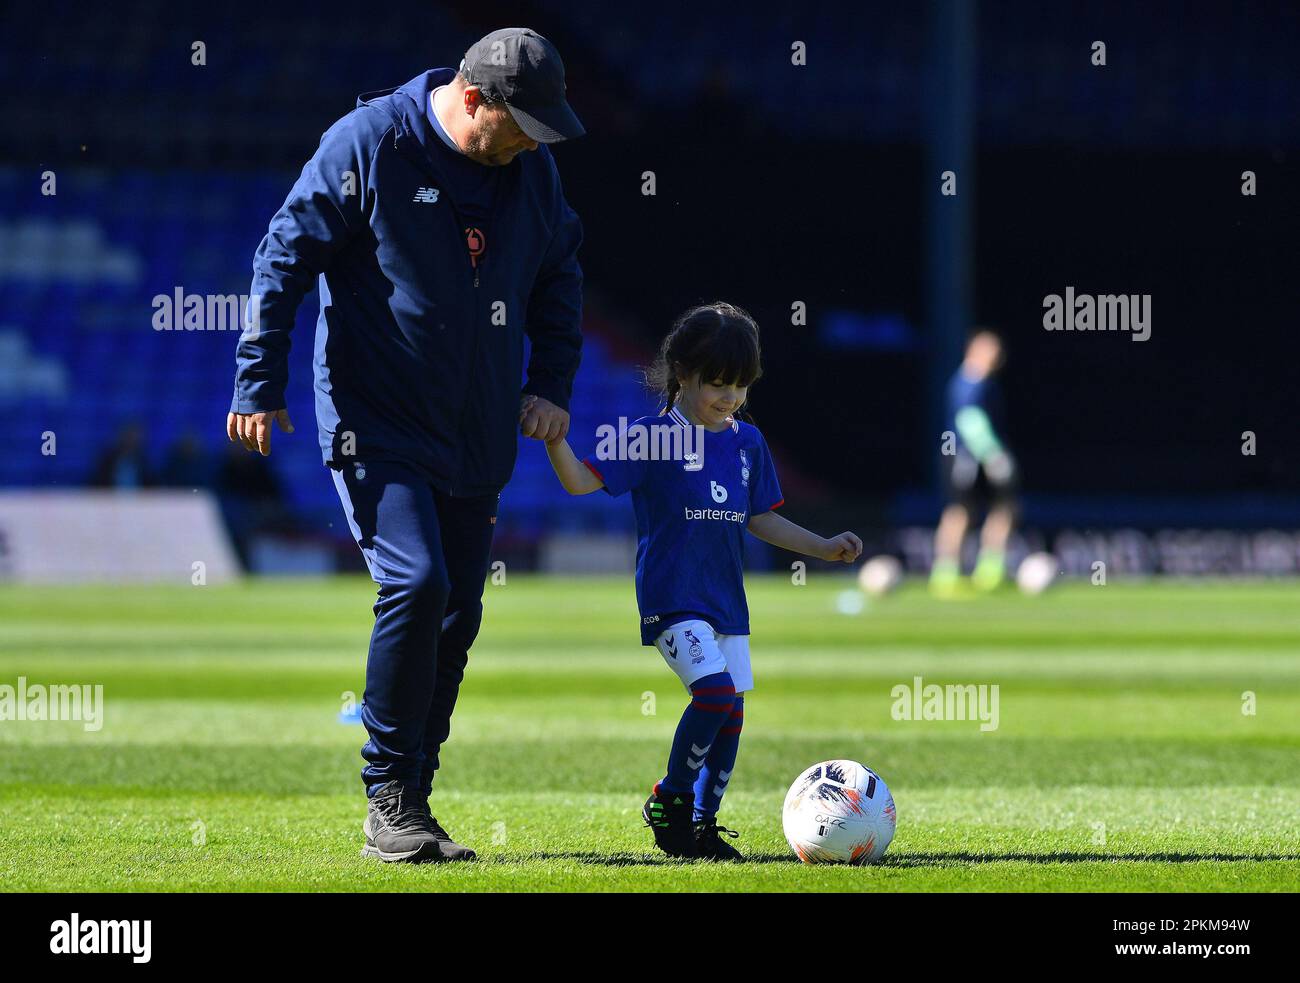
(253, 430)
(542, 420)
(845, 547)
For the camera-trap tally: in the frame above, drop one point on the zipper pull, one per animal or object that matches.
(476, 242)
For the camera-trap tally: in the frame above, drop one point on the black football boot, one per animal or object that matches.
(669, 814)
(709, 844)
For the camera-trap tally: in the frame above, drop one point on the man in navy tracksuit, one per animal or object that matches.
(439, 243)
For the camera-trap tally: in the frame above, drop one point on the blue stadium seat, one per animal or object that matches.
(198, 231)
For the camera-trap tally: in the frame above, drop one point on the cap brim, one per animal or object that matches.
(549, 124)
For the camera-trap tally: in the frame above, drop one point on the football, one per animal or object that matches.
(839, 812)
(880, 575)
(1037, 572)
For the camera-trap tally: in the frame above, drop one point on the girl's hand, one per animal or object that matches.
(845, 547)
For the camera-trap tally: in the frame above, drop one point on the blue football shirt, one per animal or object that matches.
(690, 523)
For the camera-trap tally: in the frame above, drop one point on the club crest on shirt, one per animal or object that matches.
(744, 468)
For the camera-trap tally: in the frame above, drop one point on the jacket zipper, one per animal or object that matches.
(418, 155)
(473, 362)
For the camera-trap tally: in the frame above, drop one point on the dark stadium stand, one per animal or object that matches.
(78, 272)
(168, 173)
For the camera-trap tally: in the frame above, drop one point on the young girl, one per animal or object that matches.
(691, 517)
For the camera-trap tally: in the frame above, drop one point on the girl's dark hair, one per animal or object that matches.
(718, 340)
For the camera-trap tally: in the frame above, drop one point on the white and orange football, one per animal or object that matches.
(839, 812)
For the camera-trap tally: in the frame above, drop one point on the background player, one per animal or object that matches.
(691, 515)
(980, 474)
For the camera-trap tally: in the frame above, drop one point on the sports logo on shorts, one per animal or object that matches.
(697, 650)
(426, 196)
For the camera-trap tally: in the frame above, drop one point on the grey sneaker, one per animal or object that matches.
(449, 848)
(397, 828)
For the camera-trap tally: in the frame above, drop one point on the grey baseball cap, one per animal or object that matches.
(520, 68)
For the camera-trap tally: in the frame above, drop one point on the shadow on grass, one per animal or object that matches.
(646, 859)
(913, 860)
(958, 859)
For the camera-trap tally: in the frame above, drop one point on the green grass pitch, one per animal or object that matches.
(1122, 760)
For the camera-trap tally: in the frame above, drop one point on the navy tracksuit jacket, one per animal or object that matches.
(411, 355)
(418, 368)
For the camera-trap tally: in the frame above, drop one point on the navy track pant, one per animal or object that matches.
(428, 552)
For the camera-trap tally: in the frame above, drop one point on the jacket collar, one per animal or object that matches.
(408, 105)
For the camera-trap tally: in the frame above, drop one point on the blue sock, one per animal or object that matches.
(712, 698)
(711, 784)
